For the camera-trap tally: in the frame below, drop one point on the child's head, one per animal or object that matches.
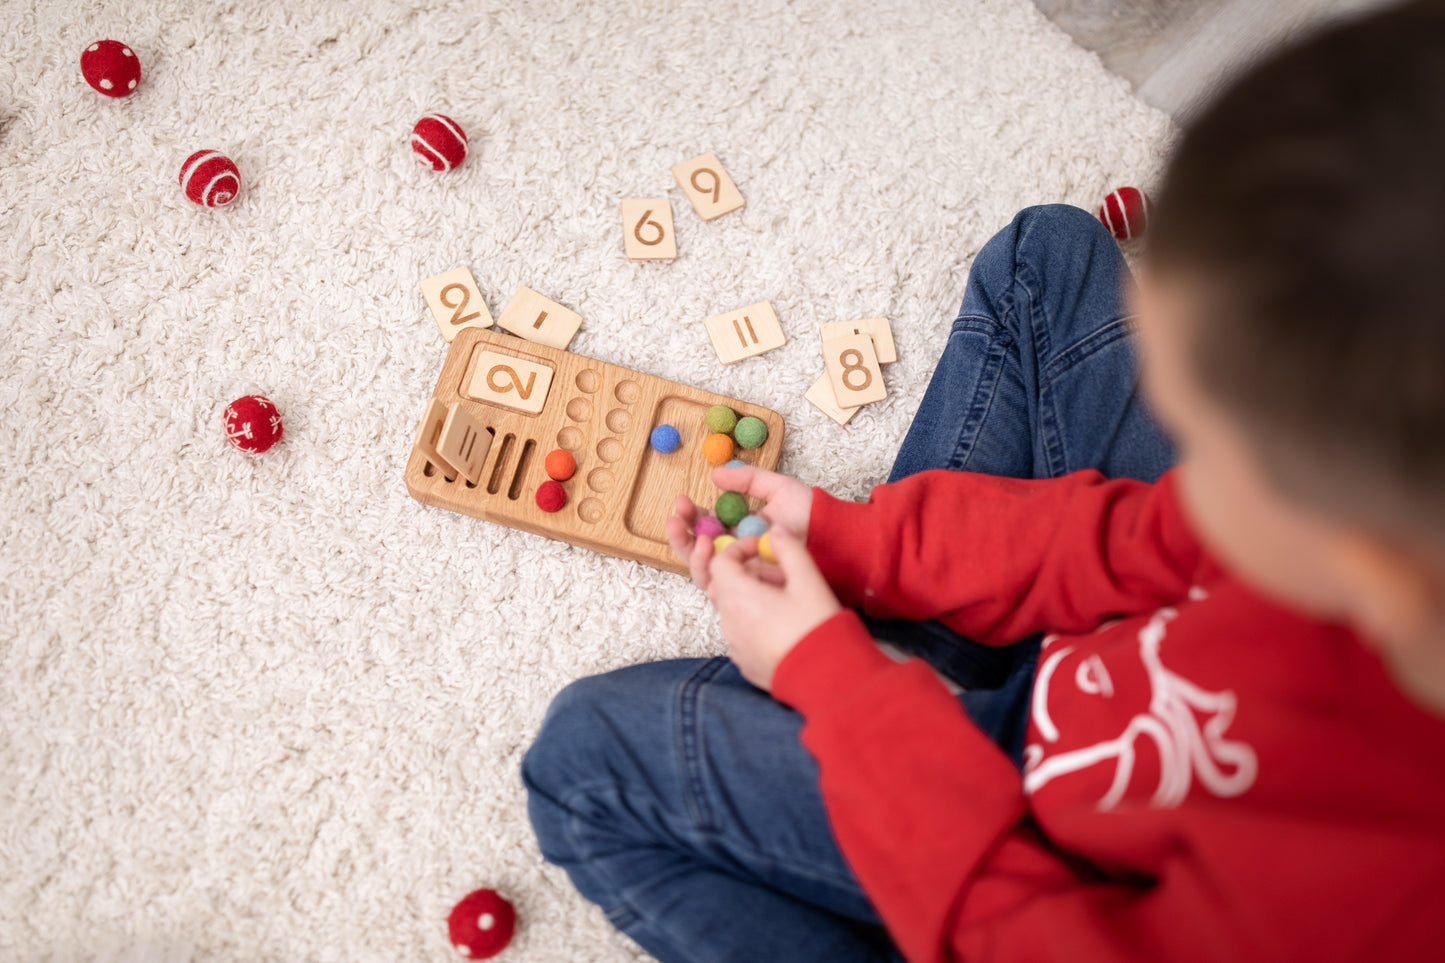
(1292, 321)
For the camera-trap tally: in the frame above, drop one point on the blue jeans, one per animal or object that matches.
(679, 798)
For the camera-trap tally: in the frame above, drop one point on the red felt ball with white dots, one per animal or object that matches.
(439, 142)
(111, 67)
(1125, 213)
(210, 178)
(253, 423)
(481, 925)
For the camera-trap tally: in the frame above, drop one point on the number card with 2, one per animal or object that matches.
(853, 370)
(708, 186)
(508, 381)
(455, 302)
(647, 229)
(745, 332)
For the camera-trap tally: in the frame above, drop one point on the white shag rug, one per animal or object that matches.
(270, 708)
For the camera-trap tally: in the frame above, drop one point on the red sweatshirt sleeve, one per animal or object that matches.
(998, 559)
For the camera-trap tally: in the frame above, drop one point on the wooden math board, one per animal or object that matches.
(623, 490)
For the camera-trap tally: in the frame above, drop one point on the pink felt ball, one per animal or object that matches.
(1126, 212)
(708, 527)
(439, 142)
(210, 178)
(110, 67)
(481, 925)
(252, 423)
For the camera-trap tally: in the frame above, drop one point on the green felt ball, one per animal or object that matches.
(731, 508)
(721, 419)
(751, 432)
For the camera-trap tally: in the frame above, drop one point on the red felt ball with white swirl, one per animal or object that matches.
(253, 423)
(481, 925)
(210, 178)
(1126, 212)
(439, 142)
(111, 67)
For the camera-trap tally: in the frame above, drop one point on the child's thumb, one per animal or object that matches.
(794, 558)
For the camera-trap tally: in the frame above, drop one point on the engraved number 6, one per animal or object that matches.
(644, 222)
(523, 391)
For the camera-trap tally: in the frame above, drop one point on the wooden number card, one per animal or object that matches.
(879, 328)
(820, 396)
(853, 370)
(708, 186)
(464, 443)
(512, 382)
(455, 302)
(531, 316)
(647, 229)
(745, 332)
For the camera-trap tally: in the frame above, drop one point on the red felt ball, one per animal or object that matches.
(210, 178)
(481, 925)
(252, 423)
(1126, 212)
(551, 496)
(110, 67)
(439, 142)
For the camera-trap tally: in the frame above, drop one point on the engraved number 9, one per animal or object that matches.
(715, 187)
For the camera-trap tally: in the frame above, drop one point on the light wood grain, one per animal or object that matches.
(534, 317)
(456, 302)
(623, 490)
(647, 233)
(820, 396)
(746, 332)
(877, 328)
(709, 188)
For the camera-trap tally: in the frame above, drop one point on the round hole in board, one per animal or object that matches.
(590, 510)
(618, 419)
(601, 479)
(579, 409)
(628, 392)
(588, 380)
(609, 449)
(569, 438)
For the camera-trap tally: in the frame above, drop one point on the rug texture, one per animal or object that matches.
(268, 707)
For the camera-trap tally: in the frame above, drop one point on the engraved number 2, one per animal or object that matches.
(461, 304)
(523, 391)
(855, 365)
(644, 222)
(716, 186)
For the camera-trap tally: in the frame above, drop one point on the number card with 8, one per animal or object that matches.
(647, 229)
(853, 370)
(455, 302)
(501, 379)
(708, 186)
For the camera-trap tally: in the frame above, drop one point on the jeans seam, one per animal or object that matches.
(985, 390)
(1080, 351)
(688, 741)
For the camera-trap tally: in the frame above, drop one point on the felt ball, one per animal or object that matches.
(708, 527)
(210, 178)
(722, 542)
(481, 925)
(560, 464)
(110, 67)
(765, 549)
(730, 508)
(1126, 212)
(721, 419)
(736, 463)
(666, 439)
(717, 448)
(551, 496)
(253, 423)
(752, 525)
(439, 142)
(751, 432)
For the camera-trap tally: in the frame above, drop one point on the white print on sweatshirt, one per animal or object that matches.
(1187, 750)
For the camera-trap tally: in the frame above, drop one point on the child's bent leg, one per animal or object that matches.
(680, 800)
(1039, 377)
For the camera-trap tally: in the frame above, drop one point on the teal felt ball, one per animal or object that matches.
(752, 525)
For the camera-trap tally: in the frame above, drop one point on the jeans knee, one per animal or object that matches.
(560, 754)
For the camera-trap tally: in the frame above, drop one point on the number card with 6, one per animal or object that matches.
(708, 186)
(455, 302)
(853, 370)
(647, 229)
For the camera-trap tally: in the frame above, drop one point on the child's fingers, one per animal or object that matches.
(799, 569)
(754, 482)
(698, 563)
(679, 537)
(684, 509)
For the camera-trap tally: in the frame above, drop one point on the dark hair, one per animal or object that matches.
(1310, 197)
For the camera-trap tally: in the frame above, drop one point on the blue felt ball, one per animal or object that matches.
(752, 525)
(666, 439)
(736, 463)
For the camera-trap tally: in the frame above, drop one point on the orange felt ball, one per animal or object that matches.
(560, 464)
(717, 449)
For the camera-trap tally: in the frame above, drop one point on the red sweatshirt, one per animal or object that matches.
(1208, 776)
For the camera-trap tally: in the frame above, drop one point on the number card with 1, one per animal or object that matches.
(531, 316)
(508, 381)
(745, 332)
(853, 370)
(879, 328)
(455, 302)
(647, 229)
(708, 186)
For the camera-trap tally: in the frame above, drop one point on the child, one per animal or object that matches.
(1229, 743)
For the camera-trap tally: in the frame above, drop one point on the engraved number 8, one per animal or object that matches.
(855, 365)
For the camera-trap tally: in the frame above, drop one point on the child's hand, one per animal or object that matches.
(789, 503)
(764, 616)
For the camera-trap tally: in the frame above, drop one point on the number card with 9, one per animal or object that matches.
(708, 186)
